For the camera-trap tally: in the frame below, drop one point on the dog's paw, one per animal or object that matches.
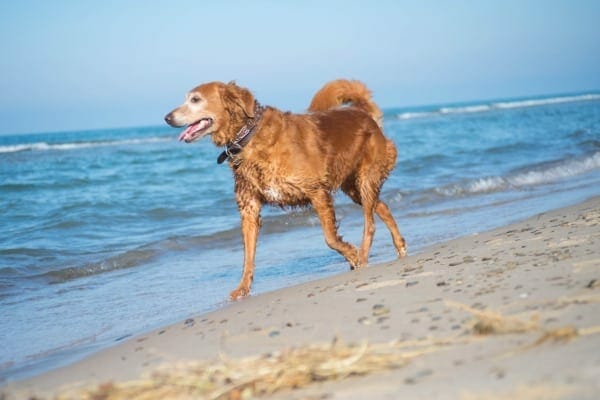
(357, 264)
(354, 267)
(402, 252)
(354, 259)
(239, 293)
(401, 247)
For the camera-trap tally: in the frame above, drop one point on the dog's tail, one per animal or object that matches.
(342, 91)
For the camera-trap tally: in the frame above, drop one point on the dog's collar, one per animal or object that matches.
(243, 136)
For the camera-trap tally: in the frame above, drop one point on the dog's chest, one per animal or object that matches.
(280, 192)
(272, 186)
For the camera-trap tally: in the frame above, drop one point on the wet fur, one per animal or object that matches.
(301, 159)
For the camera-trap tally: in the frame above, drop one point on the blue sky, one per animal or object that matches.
(69, 65)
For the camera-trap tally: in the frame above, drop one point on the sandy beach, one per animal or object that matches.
(510, 313)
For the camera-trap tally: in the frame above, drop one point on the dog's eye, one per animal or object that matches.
(195, 99)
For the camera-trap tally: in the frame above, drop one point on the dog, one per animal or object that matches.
(286, 159)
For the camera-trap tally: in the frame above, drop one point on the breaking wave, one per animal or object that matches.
(43, 146)
(503, 105)
(540, 175)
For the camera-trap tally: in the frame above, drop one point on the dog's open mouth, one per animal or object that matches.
(196, 130)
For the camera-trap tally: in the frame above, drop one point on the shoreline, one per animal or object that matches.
(544, 270)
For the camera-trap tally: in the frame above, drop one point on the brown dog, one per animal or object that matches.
(289, 159)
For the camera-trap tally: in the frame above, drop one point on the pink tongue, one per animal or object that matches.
(188, 131)
(193, 128)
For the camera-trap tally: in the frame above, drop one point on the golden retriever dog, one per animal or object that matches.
(285, 159)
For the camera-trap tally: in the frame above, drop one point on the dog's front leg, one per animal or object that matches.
(250, 213)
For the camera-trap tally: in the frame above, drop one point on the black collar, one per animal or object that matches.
(243, 136)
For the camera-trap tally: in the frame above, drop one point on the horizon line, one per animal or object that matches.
(386, 110)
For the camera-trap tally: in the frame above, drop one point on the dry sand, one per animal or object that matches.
(512, 313)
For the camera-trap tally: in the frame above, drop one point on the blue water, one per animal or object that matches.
(106, 234)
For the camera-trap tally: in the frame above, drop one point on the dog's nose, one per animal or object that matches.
(169, 118)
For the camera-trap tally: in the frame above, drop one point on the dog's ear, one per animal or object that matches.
(241, 97)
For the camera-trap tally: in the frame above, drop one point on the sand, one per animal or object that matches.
(510, 313)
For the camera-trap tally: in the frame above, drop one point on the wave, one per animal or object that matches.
(543, 102)
(142, 255)
(225, 239)
(503, 105)
(542, 174)
(129, 259)
(43, 146)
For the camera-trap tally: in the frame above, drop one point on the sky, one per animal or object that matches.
(79, 65)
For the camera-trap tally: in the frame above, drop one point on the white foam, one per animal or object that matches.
(484, 185)
(481, 185)
(557, 172)
(43, 146)
(465, 110)
(412, 115)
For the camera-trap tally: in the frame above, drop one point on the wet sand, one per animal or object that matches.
(514, 312)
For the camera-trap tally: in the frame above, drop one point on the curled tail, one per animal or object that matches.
(342, 91)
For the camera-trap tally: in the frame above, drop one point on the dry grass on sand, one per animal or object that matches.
(264, 375)
(260, 376)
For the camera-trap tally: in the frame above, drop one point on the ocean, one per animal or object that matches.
(110, 233)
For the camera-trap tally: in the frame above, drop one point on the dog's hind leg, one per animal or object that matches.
(369, 230)
(323, 205)
(382, 211)
(385, 214)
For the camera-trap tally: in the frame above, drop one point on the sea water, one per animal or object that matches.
(106, 234)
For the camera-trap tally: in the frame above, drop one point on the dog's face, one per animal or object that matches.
(198, 112)
(215, 109)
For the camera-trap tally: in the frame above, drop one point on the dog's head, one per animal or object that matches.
(216, 109)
